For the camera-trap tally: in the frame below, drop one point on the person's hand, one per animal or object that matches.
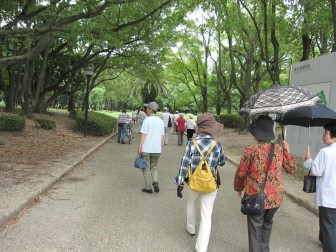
(240, 194)
(308, 155)
(179, 190)
(139, 150)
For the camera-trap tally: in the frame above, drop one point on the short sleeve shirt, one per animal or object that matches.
(153, 127)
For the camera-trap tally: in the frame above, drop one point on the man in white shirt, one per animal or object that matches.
(151, 141)
(165, 118)
(324, 168)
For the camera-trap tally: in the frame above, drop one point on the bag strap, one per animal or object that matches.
(209, 151)
(270, 159)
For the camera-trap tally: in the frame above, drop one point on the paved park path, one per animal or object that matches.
(99, 206)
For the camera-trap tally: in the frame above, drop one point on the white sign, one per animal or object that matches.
(319, 77)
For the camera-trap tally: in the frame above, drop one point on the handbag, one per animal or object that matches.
(309, 183)
(169, 122)
(254, 204)
(140, 162)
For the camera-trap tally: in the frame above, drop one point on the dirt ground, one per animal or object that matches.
(24, 152)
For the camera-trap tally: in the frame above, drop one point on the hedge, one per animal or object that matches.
(98, 124)
(45, 123)
(230, 121)
(12, 122)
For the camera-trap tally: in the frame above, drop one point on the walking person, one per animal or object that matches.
(175, 117)
(324, 168)
(206, 128)
(180, 128)
(191, 127)
(141, 117)
(251, 173)
(122, 125)
(151, 141)
(165, 118)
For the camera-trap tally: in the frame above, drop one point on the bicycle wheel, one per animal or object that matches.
(129, 136)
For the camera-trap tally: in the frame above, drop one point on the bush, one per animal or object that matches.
(73, 114)
(231, 121)
(12, 122)
(98, 124)
(45, 123)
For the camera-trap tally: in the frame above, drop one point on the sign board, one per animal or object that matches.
(319, 77)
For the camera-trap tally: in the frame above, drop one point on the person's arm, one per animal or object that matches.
(142, 139)
(241, 172)
(289, 163)
(317, 165)
(186, 160)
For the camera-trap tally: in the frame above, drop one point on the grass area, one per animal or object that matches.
(301, 171)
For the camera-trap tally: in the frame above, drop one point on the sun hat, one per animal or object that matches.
(207, 124)
(262, 128)
(165, 109)
(181, 114)
(191, 117)
(153, 105)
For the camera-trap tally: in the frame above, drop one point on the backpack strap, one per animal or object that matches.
(209, 151)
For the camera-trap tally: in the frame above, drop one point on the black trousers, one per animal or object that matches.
(259, 230)
(327, 219)
(190, 133)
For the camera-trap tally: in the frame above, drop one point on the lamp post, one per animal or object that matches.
(88, 73)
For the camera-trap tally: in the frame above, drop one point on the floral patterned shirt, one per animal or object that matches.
(251, 172)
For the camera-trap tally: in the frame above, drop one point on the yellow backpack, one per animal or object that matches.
(202, 180)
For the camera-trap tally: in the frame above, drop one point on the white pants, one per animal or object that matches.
(206, 204)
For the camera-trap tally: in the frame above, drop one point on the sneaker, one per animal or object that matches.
(156, 187)
(147, 190)
(123, 142)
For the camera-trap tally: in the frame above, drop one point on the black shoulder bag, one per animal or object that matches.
(254, 204)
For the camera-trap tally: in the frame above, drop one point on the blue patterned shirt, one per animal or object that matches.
(193, 157)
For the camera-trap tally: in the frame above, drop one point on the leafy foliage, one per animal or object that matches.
(12, 122)
(45, 123)
(98, 124)
(231, 121)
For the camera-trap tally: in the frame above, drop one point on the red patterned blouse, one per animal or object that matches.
(251, 172)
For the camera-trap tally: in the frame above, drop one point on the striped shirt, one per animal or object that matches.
(193, 157)
(123, 117)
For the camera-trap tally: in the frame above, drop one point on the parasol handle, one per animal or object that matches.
(307, 153)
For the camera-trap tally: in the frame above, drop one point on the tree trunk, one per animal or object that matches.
(333, 12)
(275, 43)
(306, 42)
(41, 80)
(9, 91)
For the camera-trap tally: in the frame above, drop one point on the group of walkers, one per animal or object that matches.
(254, 168)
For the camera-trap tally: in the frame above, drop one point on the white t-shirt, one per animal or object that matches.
(191, 124)
(165, 118)
(175, 117)
(324, 168)
(153, 127)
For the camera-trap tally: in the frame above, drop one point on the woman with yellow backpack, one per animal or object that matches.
(199, 170)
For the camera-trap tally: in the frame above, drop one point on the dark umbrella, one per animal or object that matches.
(308, 116)
(278, 99)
